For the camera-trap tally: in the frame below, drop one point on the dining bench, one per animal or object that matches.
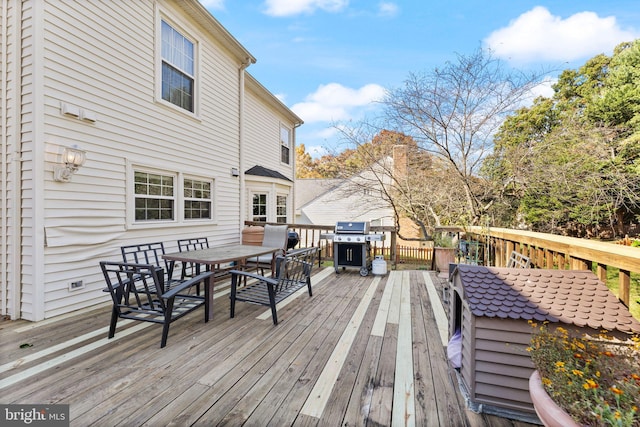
(292, 272)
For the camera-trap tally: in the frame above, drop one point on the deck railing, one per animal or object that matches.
(560, 252)
(310, 236)
(544, 250)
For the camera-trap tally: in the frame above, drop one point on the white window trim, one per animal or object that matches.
(174, 22)
(179, 219)
(287, 216)
(182, 198)
(290, 144)
(268, 203)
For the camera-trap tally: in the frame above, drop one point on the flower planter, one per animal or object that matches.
(550, 414)
(444, 257)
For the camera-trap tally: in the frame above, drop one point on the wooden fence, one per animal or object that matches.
(406, 255)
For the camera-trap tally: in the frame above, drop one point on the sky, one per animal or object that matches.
(329, 61)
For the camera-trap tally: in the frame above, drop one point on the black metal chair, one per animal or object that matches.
(151, 253)
(138, 293)
(190, 269)
(293, 272)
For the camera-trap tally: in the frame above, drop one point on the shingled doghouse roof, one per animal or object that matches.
(568, 296)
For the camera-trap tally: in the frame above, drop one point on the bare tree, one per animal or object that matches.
(452, 113)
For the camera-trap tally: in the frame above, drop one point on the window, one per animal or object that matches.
(154, 196)
(177, 68)
(165, 196)
(281, 209)
(285, 144)
(260, 207)
(197, 199)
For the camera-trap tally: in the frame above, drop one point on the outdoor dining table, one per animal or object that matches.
(220, 255)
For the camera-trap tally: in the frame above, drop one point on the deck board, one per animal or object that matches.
(350, 347)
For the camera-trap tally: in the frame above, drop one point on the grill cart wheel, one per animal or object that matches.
(364, 271)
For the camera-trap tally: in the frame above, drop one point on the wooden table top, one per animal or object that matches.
(220, 254)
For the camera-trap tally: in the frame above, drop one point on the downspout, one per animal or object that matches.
(241, 148)
(36, 265)
(4, 286)
(11, 169)
(293, 195)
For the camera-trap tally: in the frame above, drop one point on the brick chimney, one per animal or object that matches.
(399, 162)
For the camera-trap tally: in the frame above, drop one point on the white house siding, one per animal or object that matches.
(25, 204)
(349, 202)
(100, 57)
(263, 118)
(10, 41)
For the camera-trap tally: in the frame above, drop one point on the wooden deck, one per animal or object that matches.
(361, 351)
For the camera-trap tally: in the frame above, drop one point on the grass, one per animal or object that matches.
(634, 289)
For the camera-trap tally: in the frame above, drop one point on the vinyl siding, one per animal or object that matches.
(262, 129)
(100, 56)
(24, 144)
(9, 128)
(262, 139)
(343, 203)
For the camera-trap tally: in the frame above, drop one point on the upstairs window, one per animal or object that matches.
(177, 68)
(285, 144)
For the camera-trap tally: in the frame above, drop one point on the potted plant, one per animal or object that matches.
(592, 381)
(444, 251)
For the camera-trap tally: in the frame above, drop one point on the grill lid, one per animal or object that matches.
(352, 227)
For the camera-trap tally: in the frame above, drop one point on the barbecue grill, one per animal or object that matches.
(352, 245)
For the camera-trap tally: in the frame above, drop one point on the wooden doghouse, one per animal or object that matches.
(491, 307)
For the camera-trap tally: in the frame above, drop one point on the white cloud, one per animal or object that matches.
(537, 35)
(213, 4)
(387, 9)
(544, 88)
(296, 7)
(333, 102)
(316, 151)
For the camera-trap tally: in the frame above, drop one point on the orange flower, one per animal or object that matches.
(590, 384)
(616, 390)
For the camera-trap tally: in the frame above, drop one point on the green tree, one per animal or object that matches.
(571, 162)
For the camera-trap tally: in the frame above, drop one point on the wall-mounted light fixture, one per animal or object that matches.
(72, 159)
(235, 172)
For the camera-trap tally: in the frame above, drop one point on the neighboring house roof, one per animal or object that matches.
(357, 198)
(262, 171)
(568, 296)
(309, 189)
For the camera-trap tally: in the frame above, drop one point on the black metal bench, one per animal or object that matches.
(292, 272)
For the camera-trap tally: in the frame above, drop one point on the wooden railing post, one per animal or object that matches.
(623, 290)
